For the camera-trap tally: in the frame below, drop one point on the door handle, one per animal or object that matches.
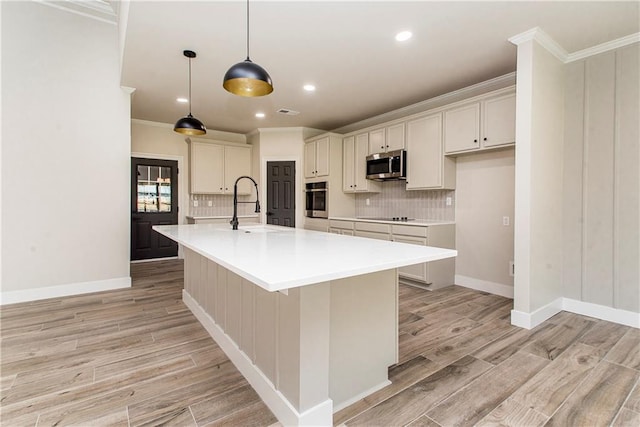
(269, 213)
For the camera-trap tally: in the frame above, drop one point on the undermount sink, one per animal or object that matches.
(256, 229)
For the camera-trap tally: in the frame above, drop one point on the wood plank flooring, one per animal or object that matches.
(138, 357)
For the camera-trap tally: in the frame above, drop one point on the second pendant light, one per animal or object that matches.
(189, 125)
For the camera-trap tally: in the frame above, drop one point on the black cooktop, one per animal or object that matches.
(390, 218)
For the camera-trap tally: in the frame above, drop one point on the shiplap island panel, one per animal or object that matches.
(327, 338)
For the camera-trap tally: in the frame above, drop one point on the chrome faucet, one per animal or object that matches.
(234, 220)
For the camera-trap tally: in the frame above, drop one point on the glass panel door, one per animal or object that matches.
(154, 189)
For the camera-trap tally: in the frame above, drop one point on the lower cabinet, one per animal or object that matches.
(316, 224)
(418, 272)
(427, 275)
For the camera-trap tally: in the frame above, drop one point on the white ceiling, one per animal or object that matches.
(347, 49)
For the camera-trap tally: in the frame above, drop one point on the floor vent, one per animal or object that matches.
(288, 112)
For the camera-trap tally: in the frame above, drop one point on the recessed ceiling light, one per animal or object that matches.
(309, 88)
(260, 115)
(403, 36)
(182, 100)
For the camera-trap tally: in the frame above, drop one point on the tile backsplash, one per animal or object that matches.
(394, 200)
(220, 205)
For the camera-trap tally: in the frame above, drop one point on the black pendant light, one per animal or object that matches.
(189, 125)
(247, 78)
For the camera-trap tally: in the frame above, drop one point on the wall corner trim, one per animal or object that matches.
(533, 319)
(609, 314)
(543, 39)
(35, 294)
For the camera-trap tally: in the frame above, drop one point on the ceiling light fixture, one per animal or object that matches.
(182, 100)
(189, 125)
(309, 88)
(403, 36)
(260, 115)
(247, 78)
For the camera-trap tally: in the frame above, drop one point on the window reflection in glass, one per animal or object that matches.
(154, 189)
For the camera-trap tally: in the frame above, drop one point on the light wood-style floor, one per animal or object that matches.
(138, 357)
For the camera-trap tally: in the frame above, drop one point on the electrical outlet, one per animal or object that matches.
(449, 201)
(195, 203)
(512, 269)
(210, 203)
(505, 220)
(368, 202)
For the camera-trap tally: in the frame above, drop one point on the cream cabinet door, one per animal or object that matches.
(419, 272)
(377, 141)
(348, 164)
(310, 159)
(395, 137)
(237, 162)
(206, 168)
(499, 121)
(322, 157)
(424, 152)
(462, 128)
(360, 177)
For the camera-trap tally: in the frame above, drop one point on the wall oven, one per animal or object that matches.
(317, 199)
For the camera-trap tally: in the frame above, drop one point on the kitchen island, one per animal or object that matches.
(309, 318)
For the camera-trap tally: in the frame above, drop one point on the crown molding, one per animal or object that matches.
(543, 39)
(100, 10)
(604, 47)
(496, 83)
(558, 51)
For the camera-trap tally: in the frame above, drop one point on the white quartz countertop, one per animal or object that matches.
(416, 222)
(277, 258)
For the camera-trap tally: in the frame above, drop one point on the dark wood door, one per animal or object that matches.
(154, 201)
(281, 193)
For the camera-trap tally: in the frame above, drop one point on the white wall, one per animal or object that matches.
(65, 155)
(484, 195)
(280, 144)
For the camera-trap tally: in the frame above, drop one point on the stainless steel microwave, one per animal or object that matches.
(389, 165)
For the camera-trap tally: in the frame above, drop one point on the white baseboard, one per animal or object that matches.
(484, 285)
(602, 312)
(35, 294)
(610, 314)
(319, 415)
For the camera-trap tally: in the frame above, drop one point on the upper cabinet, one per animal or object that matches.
(316, 158)
(388, 138)
(354, 172)
(483, 124)
(215, 167)
(427, 167)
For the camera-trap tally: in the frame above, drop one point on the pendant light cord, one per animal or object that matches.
(189, 86)
(248, 30)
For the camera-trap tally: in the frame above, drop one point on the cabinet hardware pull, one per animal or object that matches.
(485, 138)
(475, 140)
